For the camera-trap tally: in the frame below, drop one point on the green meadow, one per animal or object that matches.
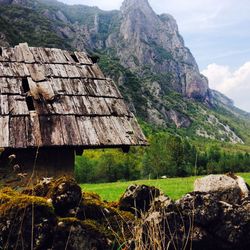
(173, 187)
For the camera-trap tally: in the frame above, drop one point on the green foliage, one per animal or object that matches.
(26, 25)
(168, 155)
(108, 165)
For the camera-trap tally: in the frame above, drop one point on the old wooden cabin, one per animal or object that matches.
(55, 104)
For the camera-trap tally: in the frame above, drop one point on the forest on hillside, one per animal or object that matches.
(167, 156)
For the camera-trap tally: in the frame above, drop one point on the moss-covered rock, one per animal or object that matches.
(26, 222)
(57, 215)
(74, 234)
(66, 194)
(117, 225)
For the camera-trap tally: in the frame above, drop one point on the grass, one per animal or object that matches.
(173, 187)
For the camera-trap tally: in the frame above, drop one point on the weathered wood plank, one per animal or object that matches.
(96, 72)
(55, 70)
(17, 105)
(68, 87)
(88, 105)
(34, 138)
(87, 131)
(19, 70)
(43, 108)
(70, 131)
(68, 105)
(117, 107)
(79, 104)
(59, 86)
(37, 72)
(34, 92)
(83, 58)
(124, 132)
(14, 86)
(10, 86)
(113, 132)
(43, 56)
(68, 57)
(72, 71)
(45, 90)
(4, 57)
(18, 54)
(77, 87)
(98, 106)
(93, 88)
(6, 70)
(64, 106)
(59, 56)
(102, 132)
(84, 71)
(107, 134)
(37, 56)
(51, 130)
(4, 108)
(141, 139)
(10, 54)
(50, 55)
(4, 86)
(27, 55)
(17, 134)
(4, 131)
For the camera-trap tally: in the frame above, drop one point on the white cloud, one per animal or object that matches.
(234, 83)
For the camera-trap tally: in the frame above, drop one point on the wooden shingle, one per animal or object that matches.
(52, 97)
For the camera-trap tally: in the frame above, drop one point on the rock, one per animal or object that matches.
(22, 216)
(111, 218)
(199, 220)
(91, 207)
(65, 194)
(74, 234)
(203, 208)
(233, 226)
(230, 189)
(138, 198)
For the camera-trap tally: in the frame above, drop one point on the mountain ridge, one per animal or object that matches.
(142, 51)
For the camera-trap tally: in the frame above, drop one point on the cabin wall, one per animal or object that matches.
(29, 165)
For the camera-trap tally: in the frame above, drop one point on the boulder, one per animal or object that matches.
(22, 217)
(203, 208)
(199, 220)
(138, 198)
(74, 234)
(65, 194)
(228, 188)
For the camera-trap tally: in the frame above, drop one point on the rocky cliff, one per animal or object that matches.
(146, 39)
(142, 51)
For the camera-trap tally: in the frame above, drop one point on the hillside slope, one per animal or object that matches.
(143, 52)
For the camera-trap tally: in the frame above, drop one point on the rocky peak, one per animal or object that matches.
(154, 40)
(131, 5)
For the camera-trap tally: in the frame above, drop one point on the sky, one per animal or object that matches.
(218, 35)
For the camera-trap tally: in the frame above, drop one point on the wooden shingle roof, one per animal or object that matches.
(51, 97)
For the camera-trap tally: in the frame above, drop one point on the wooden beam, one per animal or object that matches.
(126, 149)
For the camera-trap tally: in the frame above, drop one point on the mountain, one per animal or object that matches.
(143, 52)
